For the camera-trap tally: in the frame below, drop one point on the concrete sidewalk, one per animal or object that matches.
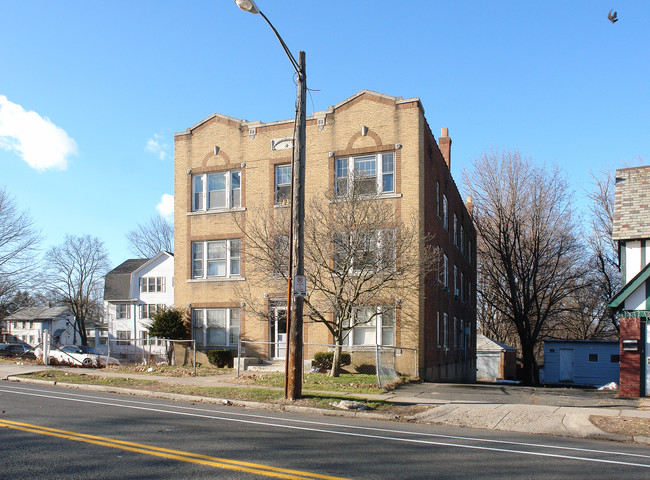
(451, 408)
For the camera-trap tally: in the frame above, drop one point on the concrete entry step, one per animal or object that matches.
(267, 366)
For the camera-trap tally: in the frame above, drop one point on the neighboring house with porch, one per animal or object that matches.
(631, 228)
(226, 168)
(27, 325)
(133, 292)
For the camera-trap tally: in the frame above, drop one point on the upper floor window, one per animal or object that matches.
(445, 271)
(282, 184)
(455, 230)
(364, 250)
(216, 191)
(445, 213)
(147, 311)
(367, 174)
(462, 240)
(152, 284)
(213, 259)
(122, 310)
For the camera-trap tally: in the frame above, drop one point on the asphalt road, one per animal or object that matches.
(54, 433)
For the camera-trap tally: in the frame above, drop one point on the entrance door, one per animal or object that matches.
(566, 365)
(278, 325)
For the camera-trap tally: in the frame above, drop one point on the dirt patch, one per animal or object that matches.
(622, 425)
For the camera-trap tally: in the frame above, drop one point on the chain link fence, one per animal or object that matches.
(387, 363)
(152, 351)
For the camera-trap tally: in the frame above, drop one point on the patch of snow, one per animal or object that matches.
(609, 386)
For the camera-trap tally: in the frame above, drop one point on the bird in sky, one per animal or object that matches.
(612, 17)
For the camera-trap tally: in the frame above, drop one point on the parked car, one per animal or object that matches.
(80, 355)
(16, 350)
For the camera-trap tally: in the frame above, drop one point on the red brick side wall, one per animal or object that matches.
(631, 361)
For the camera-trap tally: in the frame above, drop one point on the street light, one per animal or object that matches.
(293, 365)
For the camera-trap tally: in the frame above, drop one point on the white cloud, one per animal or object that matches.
(157, 146)
(36, 139)
(166, 206)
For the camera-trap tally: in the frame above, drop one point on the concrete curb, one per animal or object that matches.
(534, 419)
(210, 400)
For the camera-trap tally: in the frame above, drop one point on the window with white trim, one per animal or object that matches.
(456, 286)
(375, 326)
(216, 326)
(122, 311)
(282, 184)
(445, 271)
(148, 310)
(445, 328)
(281, 252)
(216, 259)
(445, 213)
(438, 329)
(455, 230)
(455, 333)
(152, 284)
(216, 191)
(123, 337)
(364, 250)
(462, 240)
(368, 174)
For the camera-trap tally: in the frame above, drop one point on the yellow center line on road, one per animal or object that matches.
(216, 462)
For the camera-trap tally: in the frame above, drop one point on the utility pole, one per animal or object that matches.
(293, 380)
(293, 362)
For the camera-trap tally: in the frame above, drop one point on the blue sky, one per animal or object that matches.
(91, 93)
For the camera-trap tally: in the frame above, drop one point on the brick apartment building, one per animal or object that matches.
(226, 167)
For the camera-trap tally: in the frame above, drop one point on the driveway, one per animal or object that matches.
(487, 393)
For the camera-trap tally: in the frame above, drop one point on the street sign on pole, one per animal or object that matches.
(299, 286)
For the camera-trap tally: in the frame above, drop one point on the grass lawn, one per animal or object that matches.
(244, 393)
(346, 382)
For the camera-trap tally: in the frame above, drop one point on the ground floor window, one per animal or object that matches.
(123, 337)
(216, 326)
(374, 326)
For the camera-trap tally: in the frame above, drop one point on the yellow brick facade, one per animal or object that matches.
(393, 125)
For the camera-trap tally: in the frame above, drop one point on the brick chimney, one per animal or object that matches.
(444, 143)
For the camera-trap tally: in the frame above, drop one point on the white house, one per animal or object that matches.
(133, 291)
(27, 325)
(494, 360)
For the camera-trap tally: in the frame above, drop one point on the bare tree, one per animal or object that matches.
(19, 242)
(149, 239)
(75, 272)
(528, 244)
(604, 260)
(360, 261)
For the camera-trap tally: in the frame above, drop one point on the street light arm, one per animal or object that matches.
(284, 45)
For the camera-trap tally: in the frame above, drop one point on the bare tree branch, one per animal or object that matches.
(529, 250)
(75, 272)
(356, 255)
(149, 239)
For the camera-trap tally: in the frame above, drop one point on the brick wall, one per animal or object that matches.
(631, 361)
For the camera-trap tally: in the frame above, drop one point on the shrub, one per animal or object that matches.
(366, 368)
(220, 358)
(323, 360)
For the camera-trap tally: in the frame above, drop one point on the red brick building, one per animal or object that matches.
(631, 228)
